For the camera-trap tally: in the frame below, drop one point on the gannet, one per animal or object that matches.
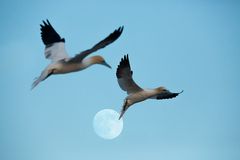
(61, 63)
(135, 93)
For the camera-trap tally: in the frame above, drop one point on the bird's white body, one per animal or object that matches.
(140, 96)
(63, 66)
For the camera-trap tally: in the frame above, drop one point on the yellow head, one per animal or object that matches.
(100, 60)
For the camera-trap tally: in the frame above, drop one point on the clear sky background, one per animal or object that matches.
(189, 45)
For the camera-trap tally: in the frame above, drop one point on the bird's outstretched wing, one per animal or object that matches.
(167, 95)
(54, 44)
(108, 40)
(124, 76)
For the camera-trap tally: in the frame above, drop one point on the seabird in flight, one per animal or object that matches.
(60, 61)
(135, 93)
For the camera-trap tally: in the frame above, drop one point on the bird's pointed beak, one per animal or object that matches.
(106, 64)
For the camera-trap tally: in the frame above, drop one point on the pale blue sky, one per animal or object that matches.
(187, 45)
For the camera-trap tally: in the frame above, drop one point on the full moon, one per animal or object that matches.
(106, 124)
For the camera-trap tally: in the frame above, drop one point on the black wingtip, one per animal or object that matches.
(48, 33)
(168, 95)
(117, 33)
(176, 94)
(45, 23)
(127, 57)
(120, 29)
(124, 63)
(48, 22)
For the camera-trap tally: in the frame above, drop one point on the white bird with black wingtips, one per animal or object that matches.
(61, 62)
(135, 93)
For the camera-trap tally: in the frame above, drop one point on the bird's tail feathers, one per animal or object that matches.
(122, 113)
(44, 75)
(36, 82)
(124, 108)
